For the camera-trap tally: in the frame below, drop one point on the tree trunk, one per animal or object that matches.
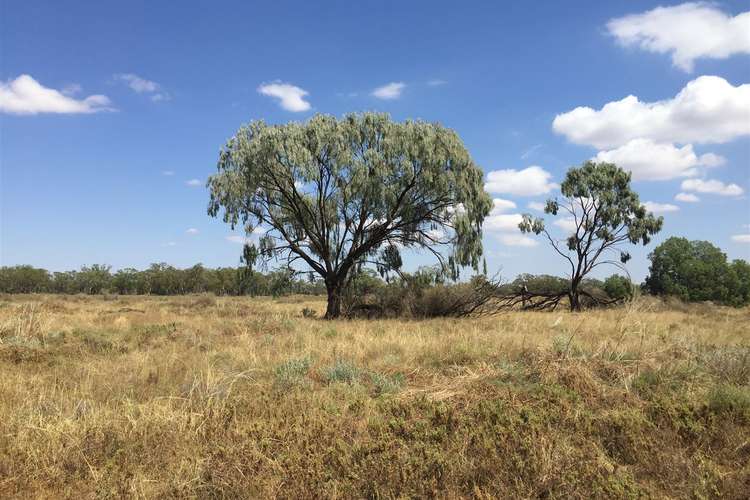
(333, 310)
(574, 297)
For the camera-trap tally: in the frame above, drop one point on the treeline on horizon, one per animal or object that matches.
(157, 279)
(693, 271)
(163, 279)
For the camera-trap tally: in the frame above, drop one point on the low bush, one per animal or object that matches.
(730, 399)
(292, 372)
(342, 371)
(415, 296)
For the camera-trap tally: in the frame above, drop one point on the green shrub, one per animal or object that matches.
(385, 384)
(730, 399)
(342, 371)
(618, 287)
(292, 372)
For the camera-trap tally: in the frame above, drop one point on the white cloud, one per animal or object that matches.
(26, 96)
(517, 240)
(531, 181)
(502, 222)
(499, 205)
(711, 160)
(170, 244)
(707, 110)
(660, 208)
(167, 173)
(138, 84)
(741, 238)
(194, 183)
(536, 205)
(437, 82)
(236, 238)
(143, 86)
(192, 230)
(505, 226)
(687, 197)
(648, 160)
(688, 32)
(390, 91)
(711, 186)
(291, 97)
(253, 237)
(567, 224)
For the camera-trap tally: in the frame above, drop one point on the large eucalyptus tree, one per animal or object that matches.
(334, 195)
(604, 212)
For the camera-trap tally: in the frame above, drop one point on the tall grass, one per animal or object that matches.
(248, 398)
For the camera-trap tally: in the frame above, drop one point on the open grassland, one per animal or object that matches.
(245, 398)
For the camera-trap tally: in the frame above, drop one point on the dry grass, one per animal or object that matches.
(246, 398)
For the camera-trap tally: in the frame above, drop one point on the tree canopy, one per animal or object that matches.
(334, 195)
(605, 213)
(697, 271)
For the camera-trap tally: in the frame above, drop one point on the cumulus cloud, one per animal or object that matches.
(567, 224)
(688, 32)
(517, 240)
(660, 208)
(711, 186)
(192, 230)
(707, 110)
(648, 160)
(504, 226)
(291, 97)
(741, 238)
(711, 160)
(687, 197)
(390, 91)
(531, 181)
(26, 96)
(194, 183)
(502, 222)
(437, 82)
(499, 205)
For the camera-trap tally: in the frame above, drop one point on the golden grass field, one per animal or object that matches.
(202, 397)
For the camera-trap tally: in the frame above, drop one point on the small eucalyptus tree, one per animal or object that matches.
(335, 195)
(605, 213)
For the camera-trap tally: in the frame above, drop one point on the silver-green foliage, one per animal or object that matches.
(335, 194)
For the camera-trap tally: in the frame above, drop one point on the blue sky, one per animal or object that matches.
(109, 110)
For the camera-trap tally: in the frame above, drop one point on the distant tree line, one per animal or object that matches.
(158, 279)
(690, 270)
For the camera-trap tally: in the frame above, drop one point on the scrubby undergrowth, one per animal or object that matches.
(239, 397)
